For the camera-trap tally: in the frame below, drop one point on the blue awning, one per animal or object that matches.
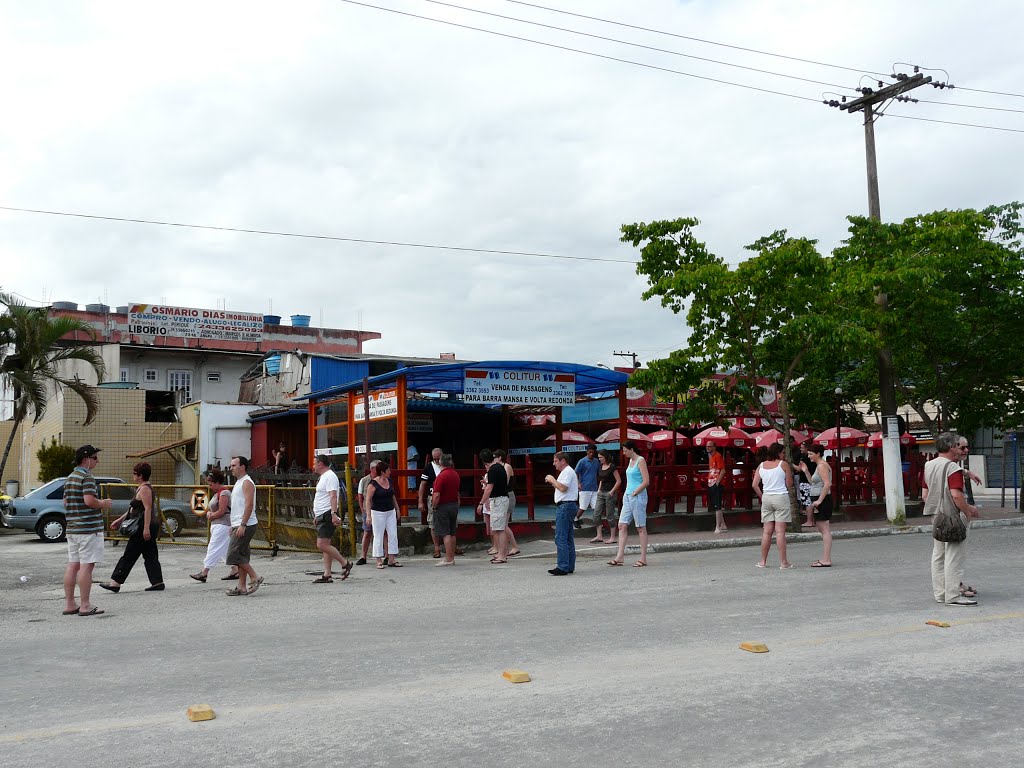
(449, 377)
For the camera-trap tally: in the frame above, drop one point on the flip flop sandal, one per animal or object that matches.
(819, 564)
(323, 580)
(255, 585)
(346, 570)
(513, 554)
(235, 592)
(437, 555)
(615, 562)
(760, 565)
(197, 577)
(69, 613)
(380, 566)
(639, 564)
(786, 567)
(94, 611)
(496, 561)
(394, 565)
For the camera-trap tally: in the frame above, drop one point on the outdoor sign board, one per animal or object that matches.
(383, 405)
(191, 323)
(498, 386)
(419, 422)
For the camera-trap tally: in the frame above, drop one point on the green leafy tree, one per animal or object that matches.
(769, 317)
(955, 321)
(55, 460)
(33, 350)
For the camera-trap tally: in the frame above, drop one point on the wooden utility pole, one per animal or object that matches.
(630, 355)
(894, 499)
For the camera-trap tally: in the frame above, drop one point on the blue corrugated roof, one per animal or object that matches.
(449, 377)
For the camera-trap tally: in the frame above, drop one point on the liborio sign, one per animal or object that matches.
(518, 387)
(189, 323)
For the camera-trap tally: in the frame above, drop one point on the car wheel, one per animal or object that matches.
(175, 523)
(51, 529)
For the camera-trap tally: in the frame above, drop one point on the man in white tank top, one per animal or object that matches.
(243, 526)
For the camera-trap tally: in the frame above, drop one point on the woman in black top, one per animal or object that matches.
(143, 540)
(383, 512)
(608, 483)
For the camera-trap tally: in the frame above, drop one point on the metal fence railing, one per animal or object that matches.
(283, 513)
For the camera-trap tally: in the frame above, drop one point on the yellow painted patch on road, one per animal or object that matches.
(934, 623)
(754, 647)
(516, 676)
(199, 712)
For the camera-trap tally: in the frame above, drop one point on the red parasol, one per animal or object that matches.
(665, 438)
(875, 441)
(764, 439)
(848, 437)
(612, 436)
(569, 436)
(729, 437)
(750, 422)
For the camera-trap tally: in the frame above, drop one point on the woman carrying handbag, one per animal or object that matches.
(142, 527)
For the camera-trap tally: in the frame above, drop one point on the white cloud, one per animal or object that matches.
(328, 118)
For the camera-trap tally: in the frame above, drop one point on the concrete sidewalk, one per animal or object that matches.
(750, 536)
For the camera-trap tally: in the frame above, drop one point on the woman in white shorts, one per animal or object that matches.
(772, 481)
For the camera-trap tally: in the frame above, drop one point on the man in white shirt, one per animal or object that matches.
(243, 526)
(325, 515)
(567, 494)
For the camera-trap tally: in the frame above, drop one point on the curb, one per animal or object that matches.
(755, 541)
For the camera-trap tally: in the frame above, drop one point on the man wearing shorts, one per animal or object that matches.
(426, 500)
(325, 515)
(496, 492)
(445, 503)
(586, 473)
(243, 526)
(84, 513)
(371, 473)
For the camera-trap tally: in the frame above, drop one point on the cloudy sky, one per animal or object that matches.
(331, 118)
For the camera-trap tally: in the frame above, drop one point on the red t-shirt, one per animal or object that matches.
(716, 464)
(446, 486)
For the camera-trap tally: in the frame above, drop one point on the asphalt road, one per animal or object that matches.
(630, 666)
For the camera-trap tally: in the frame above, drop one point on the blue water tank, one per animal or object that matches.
(271, 319)
(300, 321)
(273, 364)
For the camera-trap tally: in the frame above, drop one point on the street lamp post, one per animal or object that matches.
(839, 443)
(938, 409)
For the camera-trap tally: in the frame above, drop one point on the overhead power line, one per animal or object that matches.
(636, 63)
(968, 106)
(699, 39)
(639, 45)
(582, 52)
(952, 122)
(308, 236)
(740, 47)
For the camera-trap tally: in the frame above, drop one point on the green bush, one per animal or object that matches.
(55, 461)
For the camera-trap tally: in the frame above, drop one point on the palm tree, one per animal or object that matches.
(32, 349)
